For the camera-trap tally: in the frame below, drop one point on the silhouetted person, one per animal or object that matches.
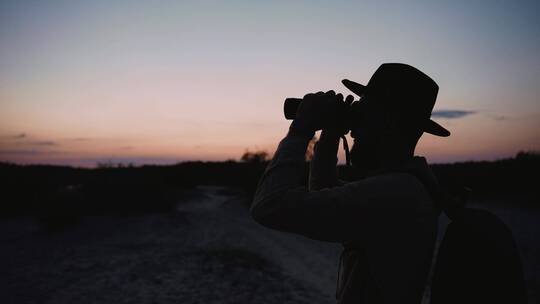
(386, 217)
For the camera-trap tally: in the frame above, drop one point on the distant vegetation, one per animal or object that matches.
(49, 191)
(255, 157)
(517, 177)
(113, 188)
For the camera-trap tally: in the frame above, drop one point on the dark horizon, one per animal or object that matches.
(140, 162)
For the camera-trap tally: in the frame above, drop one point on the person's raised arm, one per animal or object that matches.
(282, 200)
(323, 170)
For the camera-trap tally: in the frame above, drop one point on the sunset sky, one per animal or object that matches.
(168, 81)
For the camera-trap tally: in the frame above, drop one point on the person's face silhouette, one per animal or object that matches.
(368, 133)
(380, 136)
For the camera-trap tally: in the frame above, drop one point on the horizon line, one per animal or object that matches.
(114, 162)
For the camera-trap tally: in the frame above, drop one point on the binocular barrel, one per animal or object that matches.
(290, 107)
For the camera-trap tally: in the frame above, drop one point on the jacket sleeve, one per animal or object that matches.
(337, 214)
(323, 170)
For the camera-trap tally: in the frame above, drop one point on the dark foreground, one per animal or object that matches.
(207, 251)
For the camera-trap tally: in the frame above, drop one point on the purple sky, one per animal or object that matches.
(133, 81)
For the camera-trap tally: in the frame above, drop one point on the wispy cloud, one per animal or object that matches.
(26, 152)
(79, 139)
(25, 140)
(14, 137)
(41, 143)
(497, 117)
(35, 143)
(451, 114)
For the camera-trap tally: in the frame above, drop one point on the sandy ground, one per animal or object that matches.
(209, 251)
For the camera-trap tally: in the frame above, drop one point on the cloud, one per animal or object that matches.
(41, 143)
(451, 114)
(14, 137)
(22, 139)
(498, 117)
(26, 152)
(79, 139)
(36, 143)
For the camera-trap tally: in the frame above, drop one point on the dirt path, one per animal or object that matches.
(311, 263)
(209, 251)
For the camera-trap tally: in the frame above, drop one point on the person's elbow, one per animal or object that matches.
(260, 213)
(278, 211)
(272, 212)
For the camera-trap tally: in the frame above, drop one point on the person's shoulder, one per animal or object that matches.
(394, 181)
(396, 190)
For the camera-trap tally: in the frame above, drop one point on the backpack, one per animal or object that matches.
(477, 262)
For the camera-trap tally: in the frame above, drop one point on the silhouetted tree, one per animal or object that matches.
(528, 155)
(255, 157)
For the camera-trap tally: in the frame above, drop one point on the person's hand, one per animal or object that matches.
(342, 125)
(318, 111)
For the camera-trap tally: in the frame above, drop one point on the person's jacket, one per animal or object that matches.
(390, 218)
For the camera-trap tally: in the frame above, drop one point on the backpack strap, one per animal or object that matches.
(354, 283)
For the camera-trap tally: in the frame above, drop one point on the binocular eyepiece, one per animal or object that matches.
(290, 107)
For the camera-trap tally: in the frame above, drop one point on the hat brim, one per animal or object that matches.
(434, 128)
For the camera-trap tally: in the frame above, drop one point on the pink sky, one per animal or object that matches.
(88, 82)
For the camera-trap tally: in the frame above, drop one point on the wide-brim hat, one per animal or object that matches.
(405, 90)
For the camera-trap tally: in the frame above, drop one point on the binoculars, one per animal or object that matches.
(290, 106)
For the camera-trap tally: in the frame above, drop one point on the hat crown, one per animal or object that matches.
(401, 93)
(402, 88)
